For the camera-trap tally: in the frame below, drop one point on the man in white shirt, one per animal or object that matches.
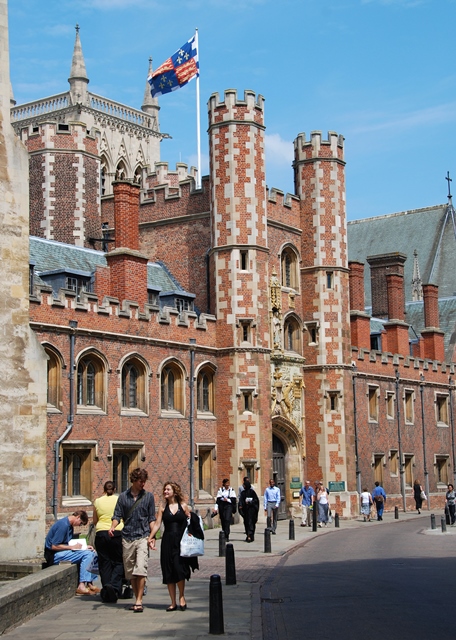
(271, 506)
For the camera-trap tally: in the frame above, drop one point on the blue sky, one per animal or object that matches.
(379, 72)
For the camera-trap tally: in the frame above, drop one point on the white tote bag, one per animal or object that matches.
(190, 547)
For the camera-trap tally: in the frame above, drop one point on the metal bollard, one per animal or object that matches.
(432, 521)
(222, 544)
(230, 565)
(443, 524)
(314, 517)
(291, 532)
(216, 626)
(396, 513)
(267, 541)
(336, 520)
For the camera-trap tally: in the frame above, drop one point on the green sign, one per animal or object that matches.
(337, 486)
(295, 479)
(295, 485)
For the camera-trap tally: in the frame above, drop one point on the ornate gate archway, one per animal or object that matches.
(288, 449)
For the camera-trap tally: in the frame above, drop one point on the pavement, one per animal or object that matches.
(87, 618)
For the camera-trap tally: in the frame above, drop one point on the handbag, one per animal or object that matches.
(191, 547)
(93, 565)
(423, 495)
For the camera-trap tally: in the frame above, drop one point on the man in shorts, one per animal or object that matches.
(136, 507)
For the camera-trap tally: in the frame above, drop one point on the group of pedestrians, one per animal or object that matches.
(126, 528)
(311, 498)
(377, 498)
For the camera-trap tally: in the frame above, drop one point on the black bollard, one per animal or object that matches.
(222, 544)
(291, 533)
(443, 524)
(314, 517)
(267, 541)
(396, 513)
(432, 521)
(447, 516)
(216, 626)
(336, 520)
(230, 565)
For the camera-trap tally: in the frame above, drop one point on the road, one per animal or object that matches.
(389, 581)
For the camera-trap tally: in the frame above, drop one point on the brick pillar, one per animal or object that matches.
(359, 320)
(397, 337)
(432, 335)
(239, 279)
(128, 267)
(319, 167)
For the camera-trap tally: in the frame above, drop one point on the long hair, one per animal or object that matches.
(178, 494)
(109, 487)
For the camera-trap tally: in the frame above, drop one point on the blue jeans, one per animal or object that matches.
(80, 557)
(379, 506)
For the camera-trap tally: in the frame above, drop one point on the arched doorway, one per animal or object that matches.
(278, 470)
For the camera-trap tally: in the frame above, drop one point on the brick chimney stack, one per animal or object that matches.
(397, 338)
(431, 334)
(128, 267)
(359, 320)
(381, 266)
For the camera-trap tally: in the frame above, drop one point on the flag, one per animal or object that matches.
(175, 72)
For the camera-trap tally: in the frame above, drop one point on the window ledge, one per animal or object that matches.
(205, 415)
(52, 409)
(133, 413)
(443, 425)
(75, 501)
(88, 409)
(171, 414)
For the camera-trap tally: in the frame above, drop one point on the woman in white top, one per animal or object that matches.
(323, 505)
(366, 503)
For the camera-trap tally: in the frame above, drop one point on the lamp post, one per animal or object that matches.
(191, 421)
(399, 441)
(425, 469)
(355, 426)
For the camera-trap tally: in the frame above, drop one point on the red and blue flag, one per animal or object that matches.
(175, 72)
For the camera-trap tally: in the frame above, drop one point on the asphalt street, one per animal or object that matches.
(380, 580)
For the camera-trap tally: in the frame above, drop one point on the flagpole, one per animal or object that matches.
(198, 120)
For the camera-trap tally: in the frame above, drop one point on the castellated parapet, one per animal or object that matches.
(332, 147)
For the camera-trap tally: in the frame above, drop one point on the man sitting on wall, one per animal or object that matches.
(57, 549)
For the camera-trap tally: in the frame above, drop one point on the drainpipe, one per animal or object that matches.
(425, 469)
(191, 421)
(399, 441)
(450, 387)
(355, 425)
(55, 477)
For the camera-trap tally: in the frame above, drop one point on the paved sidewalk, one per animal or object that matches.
(87, 618)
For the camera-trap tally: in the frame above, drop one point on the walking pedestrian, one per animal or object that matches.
(225, 504)
(417, 494)
(249, 506)
(379, 497)
(450, 502)
(271, 506)
(136, 507)
(323, 505)
(307, 495)
(366, 504)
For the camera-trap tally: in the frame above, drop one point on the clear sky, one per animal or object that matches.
(379, 72)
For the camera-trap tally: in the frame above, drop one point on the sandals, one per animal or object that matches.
(136, 608)
(84, 592)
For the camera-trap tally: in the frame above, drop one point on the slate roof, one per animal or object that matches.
(49, 255)
(419, 229)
